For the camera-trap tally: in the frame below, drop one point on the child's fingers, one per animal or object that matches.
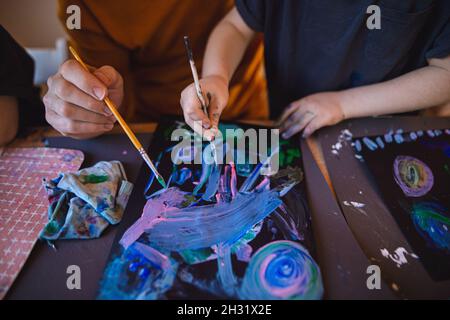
(306, 118)
(195, 125)
(287, 112)
(298, 119)
(215, 111)
(192, 109)
(313, 126)
(302, 115)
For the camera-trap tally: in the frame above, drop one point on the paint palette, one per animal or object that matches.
(23, 202)
(412, 171)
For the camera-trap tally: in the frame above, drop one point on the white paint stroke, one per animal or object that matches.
(399, 256)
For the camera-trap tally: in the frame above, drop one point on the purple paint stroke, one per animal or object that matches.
(153, 255)
(198, 227)
(413, 176)
(227, 189)
(157, 205)
(286, 224)
(233, 182)
(223, 192)
(244, 252)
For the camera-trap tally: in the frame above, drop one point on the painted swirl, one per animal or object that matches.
(433, 223)
(282, 270)
(413, 176)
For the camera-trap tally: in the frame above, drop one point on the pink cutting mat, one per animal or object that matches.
(23, 202)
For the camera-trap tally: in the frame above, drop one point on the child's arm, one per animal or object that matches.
(9, 121)
(226, 47)
(419, 89)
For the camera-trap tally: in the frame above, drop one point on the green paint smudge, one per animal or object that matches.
(93, 178)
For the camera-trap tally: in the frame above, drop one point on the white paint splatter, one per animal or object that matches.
(354, 204)
(357, 205)
(343, 138)
(395, 286)
(399, 256)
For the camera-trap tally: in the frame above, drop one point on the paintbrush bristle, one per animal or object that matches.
(161, 181)
(188, 48)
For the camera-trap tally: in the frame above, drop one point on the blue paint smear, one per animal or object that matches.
(251, 180)
(152, 177)
(380, 142)
(399, 138)
(140, 272)
(388, 138)
(206, 173)
(213, 183)
(358, 146)
(181, 176)
(370, 144)
(202, 227)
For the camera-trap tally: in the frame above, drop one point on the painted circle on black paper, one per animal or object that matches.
(413, 176)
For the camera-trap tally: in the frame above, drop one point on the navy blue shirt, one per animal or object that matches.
(324, 45)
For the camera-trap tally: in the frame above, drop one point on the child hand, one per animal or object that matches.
(311, 113)
(217, 88)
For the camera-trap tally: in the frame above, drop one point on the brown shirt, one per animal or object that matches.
(143, 40)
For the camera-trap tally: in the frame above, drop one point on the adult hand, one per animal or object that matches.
(73, 103)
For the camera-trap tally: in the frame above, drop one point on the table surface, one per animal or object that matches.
(340, 253)
(92, 255)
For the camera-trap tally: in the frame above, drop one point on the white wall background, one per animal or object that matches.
(33, 23)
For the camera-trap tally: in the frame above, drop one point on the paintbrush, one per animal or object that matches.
(198, 88)
(125, 127)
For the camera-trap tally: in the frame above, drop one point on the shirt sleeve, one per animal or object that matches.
(16, 68)
(16, 80)
(441, 46)
(253, 12)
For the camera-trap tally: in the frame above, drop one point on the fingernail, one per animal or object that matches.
(208, 135)
(206, 125)
(108, 126)
(108, 112)
(99, 93)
